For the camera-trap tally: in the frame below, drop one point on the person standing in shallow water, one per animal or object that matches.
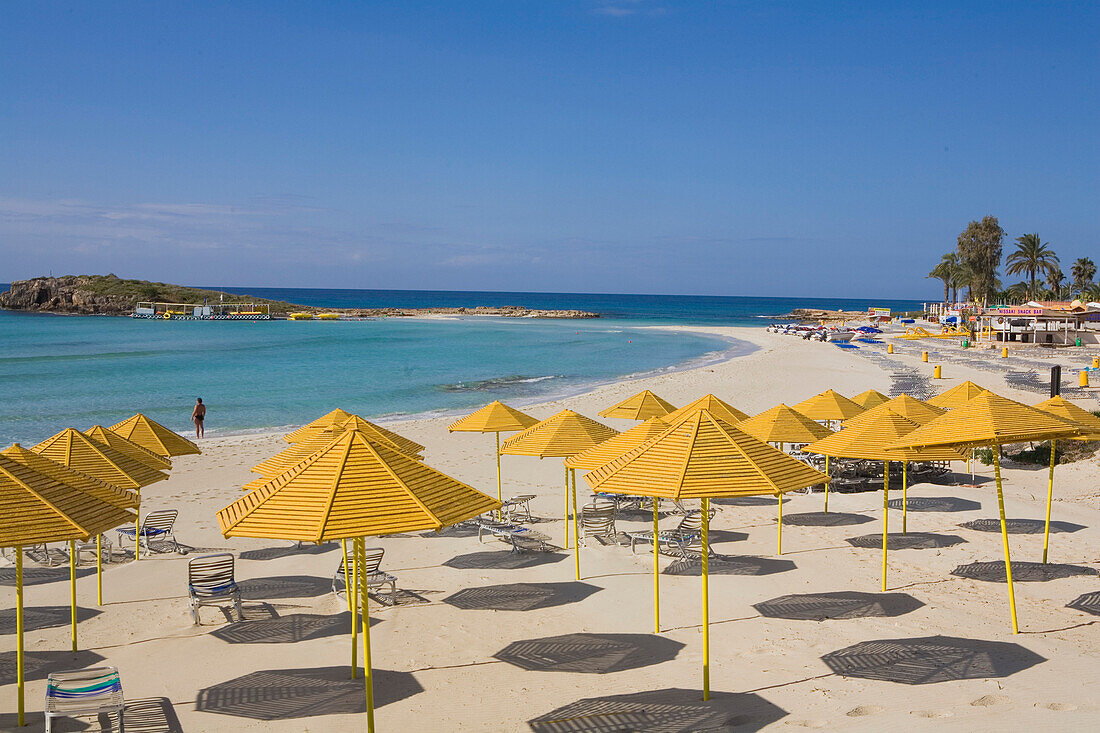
(197, 416)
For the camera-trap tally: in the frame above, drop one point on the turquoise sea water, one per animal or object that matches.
(57, 371)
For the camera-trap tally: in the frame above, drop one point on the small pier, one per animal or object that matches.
(203, 311)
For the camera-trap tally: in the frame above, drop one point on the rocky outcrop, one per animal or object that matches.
(69, 294)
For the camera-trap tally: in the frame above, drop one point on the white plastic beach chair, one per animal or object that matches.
(598, 520)
(156, 525)
(210, 582)
(376, 578)
(674, 541)
(517, 505)
(521, 538)
(90, 546)
(93, 691)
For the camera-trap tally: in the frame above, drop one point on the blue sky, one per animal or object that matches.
(721, 148)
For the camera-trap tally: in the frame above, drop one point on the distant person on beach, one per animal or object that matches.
(197, 416)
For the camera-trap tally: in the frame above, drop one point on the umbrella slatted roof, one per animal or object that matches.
(151, 434)
(564, 434)
(35, 508)
(610, 449)
(354, 487)
(72, 448)
(829, 405)
(874, 438)
(409, 447)
(908, 407)
(296, 453)
(957, 396)
(128, 448)
(641, 406)
(701, 456)
(122, 498)
(326, 421)
(870, 398)
(495, 417)
(716, 407)
(990, 419)
(1061, 407)
(782, 424)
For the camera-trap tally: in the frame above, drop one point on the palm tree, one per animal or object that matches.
(945, 271)
(1031, 257)
(962, 277)
(1018, 293)
(1054, 281)
(1082, 272)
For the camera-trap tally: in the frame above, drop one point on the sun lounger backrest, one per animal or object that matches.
(597, 520)
(84, 690)
(372, 559)
(162, 519)
(210, 573)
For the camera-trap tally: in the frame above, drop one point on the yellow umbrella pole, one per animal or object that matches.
(779, 527)
(1050, 498)
(500, 514)
(72, 587)
(706, 603)
(576, 533)
(99, 569)
(885, 517)
(904, 496)
(1004, 537)
(656, 575)
(360, 562)
(567, 511)
(826, 485)
(350, 584)
(19, 631)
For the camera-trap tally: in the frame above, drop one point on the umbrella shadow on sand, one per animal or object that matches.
(141, 715)
(590, 653)
(284, 586)
(838, 605)
(278, 694)
(730, 565)
(825, 519)
(37, 665)
(43, 617)
(994, 571)
(520, 596)
(38, 576)
(930, 659)
(500, 560)
(288, 629)
(1021, 526)
(1087, 602)
(906, 541)
(662, 711)
(276, 553)
(936, 504)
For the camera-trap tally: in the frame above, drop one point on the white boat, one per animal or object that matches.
(841, 336)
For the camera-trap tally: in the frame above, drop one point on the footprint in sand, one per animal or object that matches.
(931, 713)
(860, 710)
(1061, 706)
(986, 701)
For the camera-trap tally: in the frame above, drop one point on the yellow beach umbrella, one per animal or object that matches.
(121, 498)
(870, 398)
(559, 436)
(992, 420)
(376, 432)
(873, 439)
(828, 406)
(783, 424)
(496, 417)
(128, 448)
(328, 420)
(641, 406)
(1059, 406)
(354, 488)
(298, 452)
(151, 434)
(716, 407)
(957, 396)
(701, 457)
(908, 407)
(35, 508)
(76, 450)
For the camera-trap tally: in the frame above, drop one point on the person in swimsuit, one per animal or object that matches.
(197, 416)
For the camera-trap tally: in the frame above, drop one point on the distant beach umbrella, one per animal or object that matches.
(700, 456)
(716, 407)
(496, 417)
(128, 448)
(910, 408)
(782, 424)
(36, 508)
(957, 396)
(354, 488)
(829, 405)
(641, 406)
(150, 434)
(326, 421)
(559, 436)
(993, 421)
(1059, 406)
(873, 439)
(870, 398)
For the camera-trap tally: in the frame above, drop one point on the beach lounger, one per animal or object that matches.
(156, 525)
(521, 538)
(376, 579)
(517, 505)
(598, 520)
(674, 541)
(210, 582)
(90, 546)
(93, 691)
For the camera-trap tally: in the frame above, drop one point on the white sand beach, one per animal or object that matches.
(450, 655)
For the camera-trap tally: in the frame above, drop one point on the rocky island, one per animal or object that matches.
(110, 295)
